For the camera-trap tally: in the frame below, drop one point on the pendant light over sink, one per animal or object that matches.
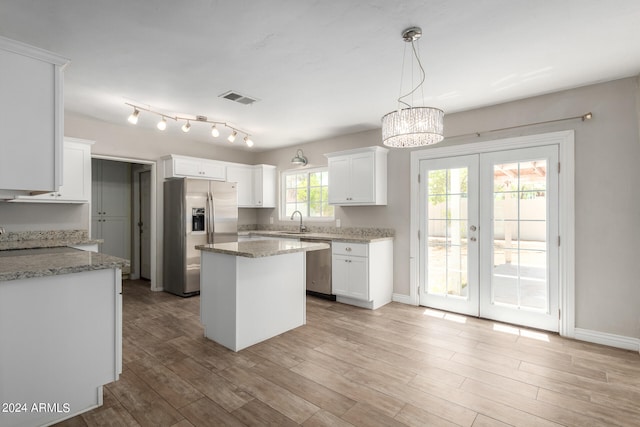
(412, 126)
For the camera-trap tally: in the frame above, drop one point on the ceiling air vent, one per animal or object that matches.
(238, 97)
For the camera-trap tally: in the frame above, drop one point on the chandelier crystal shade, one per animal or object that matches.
(413, 126)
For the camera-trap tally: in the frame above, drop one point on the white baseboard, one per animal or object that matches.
(612, 340)
(404, 299)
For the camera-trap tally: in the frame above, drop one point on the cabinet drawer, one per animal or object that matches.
(351, 249)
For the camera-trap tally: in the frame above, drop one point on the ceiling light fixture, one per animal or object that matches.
(133, 118)
(232, 137)
(162, 124)
(413, 126)
(299, 159)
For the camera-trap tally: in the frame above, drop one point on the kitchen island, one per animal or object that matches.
(254, 290)
(61, 329)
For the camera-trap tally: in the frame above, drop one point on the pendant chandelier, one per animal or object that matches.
(412, 126)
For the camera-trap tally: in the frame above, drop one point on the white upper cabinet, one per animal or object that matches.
(76, 173)
(193, 167)
(242, 175)
(358, 177)
(256, 185)
(31, 118)
(264, 186)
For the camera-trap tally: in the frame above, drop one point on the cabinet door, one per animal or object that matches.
(76, 172)
(115, 232)
(31, 147)
(116, 191)
(264, 186)
(187, 167)
(213, 170)
(358, 278)
(340, 275)
(243, 176)
(362, 178)
(339, 177)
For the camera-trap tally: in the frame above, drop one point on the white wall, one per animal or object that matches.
(607, 203)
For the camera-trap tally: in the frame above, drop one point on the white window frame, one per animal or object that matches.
(283, 196)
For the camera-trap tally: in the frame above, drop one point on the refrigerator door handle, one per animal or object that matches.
(210, 218)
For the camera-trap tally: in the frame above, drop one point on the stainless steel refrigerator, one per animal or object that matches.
(196, 212)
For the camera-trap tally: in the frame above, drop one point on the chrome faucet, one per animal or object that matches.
(302, 227)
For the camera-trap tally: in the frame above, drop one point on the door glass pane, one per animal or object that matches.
(519, 277)
(447, 223)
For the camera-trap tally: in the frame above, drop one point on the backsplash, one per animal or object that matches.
(17, 236)
(350, 231)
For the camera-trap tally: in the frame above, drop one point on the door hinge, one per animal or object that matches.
(418, 178)
(558, 241)
(558, 167)
(559, 315)
(418, 234)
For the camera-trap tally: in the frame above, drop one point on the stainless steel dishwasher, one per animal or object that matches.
(319, 271)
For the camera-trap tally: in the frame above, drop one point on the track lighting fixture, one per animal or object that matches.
(186, 127)
(133, 118)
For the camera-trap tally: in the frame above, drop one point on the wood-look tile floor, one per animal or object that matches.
(396, 366)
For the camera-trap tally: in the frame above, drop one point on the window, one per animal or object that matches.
(308, 192)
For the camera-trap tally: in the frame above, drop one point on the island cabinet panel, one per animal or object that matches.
(244, 301)
(31, 118)
(61, 342)
(362, 273)
(358, 177)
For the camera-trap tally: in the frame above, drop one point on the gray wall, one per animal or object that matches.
(607, 203)
(607, 219)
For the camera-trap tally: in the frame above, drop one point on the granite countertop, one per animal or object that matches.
(334, 237)
(45, 239)
(262, 248)
(28, 263)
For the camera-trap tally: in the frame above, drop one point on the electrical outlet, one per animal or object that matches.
(338, 223)
(270, 220)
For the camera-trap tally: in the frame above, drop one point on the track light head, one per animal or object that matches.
(133, 118)
(162, 124)
(248, 141)
(214, 131)
(232, 137)
(186, 127)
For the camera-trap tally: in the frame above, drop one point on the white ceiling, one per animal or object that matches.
(320, 68)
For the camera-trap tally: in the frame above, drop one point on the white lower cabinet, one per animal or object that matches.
(362, 273)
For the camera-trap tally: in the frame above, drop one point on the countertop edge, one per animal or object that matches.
(319, 236)
(265, 253)
(31, 274)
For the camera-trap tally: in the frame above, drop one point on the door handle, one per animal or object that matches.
(473, 239)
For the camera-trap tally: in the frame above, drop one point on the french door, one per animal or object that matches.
(488, 235)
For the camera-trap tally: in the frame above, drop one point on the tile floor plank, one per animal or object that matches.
(398, 365)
